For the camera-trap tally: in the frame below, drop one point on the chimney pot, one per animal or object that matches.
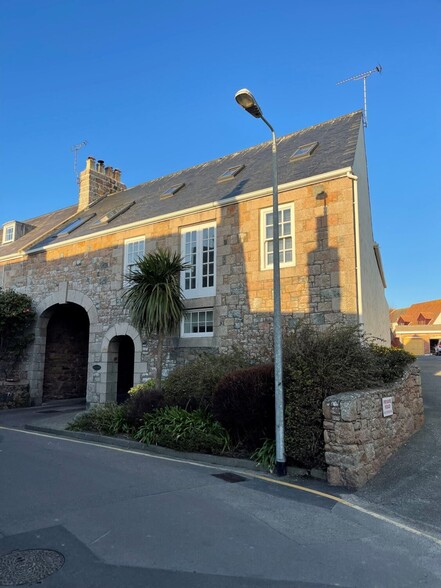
(100, 166)
(109, 171)
(90, 162)
(117, 174)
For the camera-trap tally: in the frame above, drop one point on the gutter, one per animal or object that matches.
(335, 174)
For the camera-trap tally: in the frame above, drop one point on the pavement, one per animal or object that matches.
(407, 488)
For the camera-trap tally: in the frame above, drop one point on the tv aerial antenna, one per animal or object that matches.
(363, 76)
(75, 149)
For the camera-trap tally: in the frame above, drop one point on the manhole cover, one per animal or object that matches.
(229, 477)
(28, 565)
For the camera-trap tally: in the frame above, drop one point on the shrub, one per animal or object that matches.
(192, 385)
(316, 365)
(107, 419)
(143, 387)
(179, 429)
(265, 456)
(16, 317)
(391, 362)
(144, 399)
(244, 404)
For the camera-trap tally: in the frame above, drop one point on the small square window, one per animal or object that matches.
(197, 323)
(304, 151)
(171, 191)
(230, 173)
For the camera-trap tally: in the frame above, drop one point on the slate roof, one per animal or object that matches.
(337, 141)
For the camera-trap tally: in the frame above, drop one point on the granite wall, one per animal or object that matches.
(363, 429)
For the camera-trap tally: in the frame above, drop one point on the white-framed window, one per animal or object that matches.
(286, 237)
(197, 323)
(198, 249)
(133, 250)
(8, 233)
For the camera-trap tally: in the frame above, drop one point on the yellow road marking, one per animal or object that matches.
(248, 473)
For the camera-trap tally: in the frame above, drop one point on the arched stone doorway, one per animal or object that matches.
(121, 357)
(66, 353)
(123, 349)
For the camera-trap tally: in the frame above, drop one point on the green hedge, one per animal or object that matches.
(243, 403)
(320, 363)
(192, 385)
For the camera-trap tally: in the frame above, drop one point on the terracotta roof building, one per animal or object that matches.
(418, 327)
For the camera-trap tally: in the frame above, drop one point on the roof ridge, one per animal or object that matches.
(246, 150)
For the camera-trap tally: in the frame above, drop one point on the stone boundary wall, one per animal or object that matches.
(359, 439)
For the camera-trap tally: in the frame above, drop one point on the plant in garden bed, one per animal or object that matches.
(244, 404)
(391, 361)
(193, 384)
(319, 363)
(265, 456)
(154, 298)
(179, 429)
(143, 398)
(107, 419)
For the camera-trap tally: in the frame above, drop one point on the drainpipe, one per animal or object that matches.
(356, 220)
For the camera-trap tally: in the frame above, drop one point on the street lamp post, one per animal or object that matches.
(245, 99)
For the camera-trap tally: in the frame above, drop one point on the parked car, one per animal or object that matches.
(438, 348)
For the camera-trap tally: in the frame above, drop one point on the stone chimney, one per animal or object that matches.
(97, 181)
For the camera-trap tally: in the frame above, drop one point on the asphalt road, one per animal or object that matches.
(128, 519)
(409, 485)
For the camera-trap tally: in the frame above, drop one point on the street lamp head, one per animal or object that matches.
(245, 99)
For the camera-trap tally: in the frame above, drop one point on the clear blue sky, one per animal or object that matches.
(151, 87)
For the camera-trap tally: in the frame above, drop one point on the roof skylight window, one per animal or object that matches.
(304, 151)
(230, 173)
(67, 229)
(112, 214)
(171, 191)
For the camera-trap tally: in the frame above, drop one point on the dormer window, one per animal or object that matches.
(422, 320)
(304, 151)
(171, 191)
(230, 173)
(9, 232)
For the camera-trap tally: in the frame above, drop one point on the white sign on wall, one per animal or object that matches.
(388, 408)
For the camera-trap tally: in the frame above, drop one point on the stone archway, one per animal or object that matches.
(121, 356)
(45, 310)
(66, 353)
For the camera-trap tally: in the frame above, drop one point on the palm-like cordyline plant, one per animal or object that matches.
(154, 298)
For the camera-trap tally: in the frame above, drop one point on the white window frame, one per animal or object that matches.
(8, 228)
(197, 277)
(199, 312)
(128, 265)
(283, 237)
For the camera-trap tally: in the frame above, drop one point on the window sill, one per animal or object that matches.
(200, 303)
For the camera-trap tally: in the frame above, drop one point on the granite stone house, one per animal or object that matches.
(218, 215)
